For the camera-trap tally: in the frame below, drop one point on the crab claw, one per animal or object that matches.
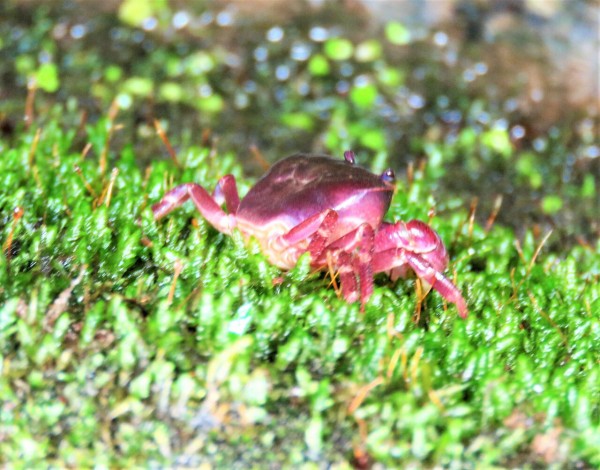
(414, 246)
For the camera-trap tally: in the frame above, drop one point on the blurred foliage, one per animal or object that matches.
(322, 79)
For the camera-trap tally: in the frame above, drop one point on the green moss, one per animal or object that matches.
(47, 77)
(338, 49)
(397, 33)
(126, 342)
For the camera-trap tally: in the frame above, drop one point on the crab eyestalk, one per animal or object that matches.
(350, 157)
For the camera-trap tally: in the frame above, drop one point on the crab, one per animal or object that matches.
(332, 209)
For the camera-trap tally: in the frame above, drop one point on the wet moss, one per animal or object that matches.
(127, 342)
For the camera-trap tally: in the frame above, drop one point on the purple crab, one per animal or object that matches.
(332, 209)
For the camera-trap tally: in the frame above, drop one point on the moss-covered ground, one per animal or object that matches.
(126, 342)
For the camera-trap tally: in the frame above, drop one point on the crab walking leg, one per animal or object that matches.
(319, 239)
(316, 228)
(362, 238)
(347, 277)
(364, 261)
(439, 282)
(397, 258)
(414, 236)
(226, 191)
(207, 206)
(308, 236)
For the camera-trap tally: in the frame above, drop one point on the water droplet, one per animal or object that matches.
(342, 87)
(537, 94)
(59, 31)
(261, 54)
(16, 33)
(281, 94)
(443, 101)
(78, 31)
(318, 34)
(149, 23)
(593, 151)
(389, 113)
(483, 117)
(44, 57)
(501, 124)
(511, 105)
(275, 34)
(361, 80)
(138, 37)
(303, 88)
(453, 116)
(480, 68)
(419, 73)
(416, 101)
(205, 90)
(300, 51)
(440, 38)
(250, 86)
(125, 100)
(282, 72)
(181, 19)
(241, 100)
(468, 75)
(206, 18)
(233, 60)
(225, 18)
(346, 70)
(586, 125)
(451, 57)
(116, 34)
(517, 132)
(539, 144)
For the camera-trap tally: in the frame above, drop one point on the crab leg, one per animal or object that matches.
(226, 191)
(416, 245)
(361, 262)
(347, 277)
(310, 235)
(207, 206)
(318, 229)
(439, 282)
(396, 259)
(416, 237)
(318, 226)
(366, 237)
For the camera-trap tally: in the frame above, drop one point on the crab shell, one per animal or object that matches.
(334, 210)
(301, 186)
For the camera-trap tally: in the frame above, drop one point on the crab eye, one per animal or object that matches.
(388, 176)
(349, 157)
